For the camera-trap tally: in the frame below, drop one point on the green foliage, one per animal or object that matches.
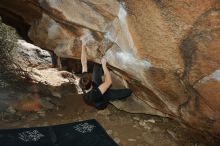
(10, 71)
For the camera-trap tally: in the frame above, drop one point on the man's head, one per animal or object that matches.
(85, 81)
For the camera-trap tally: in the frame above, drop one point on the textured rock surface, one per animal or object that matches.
(168, 51)
(38, 63)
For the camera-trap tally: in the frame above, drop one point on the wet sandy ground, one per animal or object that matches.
(125, 128)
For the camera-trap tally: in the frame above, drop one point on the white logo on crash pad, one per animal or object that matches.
(84, 128)
(30, 135)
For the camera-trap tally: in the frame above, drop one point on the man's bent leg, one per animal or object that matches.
(117, 94)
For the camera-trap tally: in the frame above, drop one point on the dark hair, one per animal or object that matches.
(85, 81)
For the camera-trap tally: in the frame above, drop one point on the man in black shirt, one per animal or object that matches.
(96, 91)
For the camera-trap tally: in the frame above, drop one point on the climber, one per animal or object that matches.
(98, 92)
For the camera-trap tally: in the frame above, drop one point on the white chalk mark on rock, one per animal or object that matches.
(214, 76)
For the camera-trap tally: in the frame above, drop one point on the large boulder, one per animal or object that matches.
(166, 51)
(38, 64)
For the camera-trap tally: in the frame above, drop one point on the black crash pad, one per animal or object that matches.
(84, 133)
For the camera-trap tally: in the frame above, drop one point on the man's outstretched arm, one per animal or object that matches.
(84, 59)
(107, 78)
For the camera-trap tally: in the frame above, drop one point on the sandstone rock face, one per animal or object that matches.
(167, 51)
(38, 63)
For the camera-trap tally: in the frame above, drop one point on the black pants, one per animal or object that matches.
(110, 94)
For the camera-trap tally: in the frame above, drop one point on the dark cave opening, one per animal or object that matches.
(17, 22)
(74, 65)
